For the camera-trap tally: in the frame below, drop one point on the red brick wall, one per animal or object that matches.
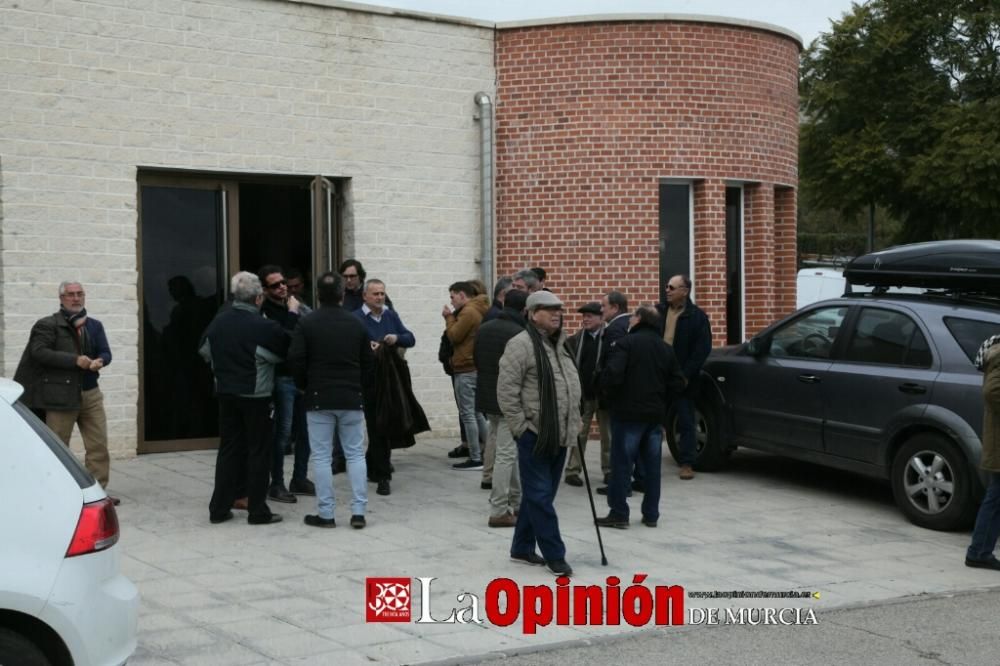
(591, 117)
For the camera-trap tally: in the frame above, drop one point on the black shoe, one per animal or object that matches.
(215, 520)
(559, 567)
(264, 520)
(529, 558)
(469, 464)
(358, 522)
(604, 491)
(638, 487)
(383, 488)
(339, 466)
(649, 523)
(486, 485)
(459, 452)
(573, 480)
(316, 521)
(989, 563)
(611, 520)
(303, 487)
(280, 494)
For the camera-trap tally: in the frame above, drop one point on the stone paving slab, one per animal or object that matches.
(291, 594)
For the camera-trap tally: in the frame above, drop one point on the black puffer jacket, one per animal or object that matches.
(490, 344)
(331, 360)
(641, 376)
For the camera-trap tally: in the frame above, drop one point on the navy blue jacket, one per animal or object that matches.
(692, 341)
(390, 324)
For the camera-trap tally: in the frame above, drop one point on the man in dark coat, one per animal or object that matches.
(641, 377)
(59, 371)
(336, 379)
(688, 331)
(280, 306)
(243, 348)
(504, 484)
(587, 347)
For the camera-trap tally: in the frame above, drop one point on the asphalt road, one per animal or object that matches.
(949, 629)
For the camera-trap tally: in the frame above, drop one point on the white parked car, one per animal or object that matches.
(63, 598)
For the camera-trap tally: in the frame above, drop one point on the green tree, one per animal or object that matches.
(901, 110)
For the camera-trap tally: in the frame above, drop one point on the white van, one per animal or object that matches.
(817, 284)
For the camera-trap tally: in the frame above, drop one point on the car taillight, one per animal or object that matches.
(96, 530)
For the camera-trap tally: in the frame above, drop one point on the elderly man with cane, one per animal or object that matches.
(538, 392)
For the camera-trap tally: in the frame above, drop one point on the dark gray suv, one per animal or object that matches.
(882, 385)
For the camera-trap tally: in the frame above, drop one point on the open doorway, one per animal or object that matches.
(195, 232)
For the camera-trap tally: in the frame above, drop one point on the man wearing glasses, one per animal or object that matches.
(59, 369)
(688, 331)
(282, 308)
(538, 392)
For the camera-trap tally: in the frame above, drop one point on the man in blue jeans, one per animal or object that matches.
(336, 379)
(282, 307)
(686, 328)
(987, 529)
(538, 392)
(641, 378)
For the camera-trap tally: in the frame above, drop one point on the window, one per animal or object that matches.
(971, 333)
(888, 338)
(809, 336)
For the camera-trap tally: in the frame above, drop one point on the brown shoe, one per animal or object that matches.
(686, 472)
(241, 504)
(506, 520)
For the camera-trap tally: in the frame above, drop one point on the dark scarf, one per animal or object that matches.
(78, 321)
(548, 415)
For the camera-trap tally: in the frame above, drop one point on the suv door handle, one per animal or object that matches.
(809, 379)
(910, 387)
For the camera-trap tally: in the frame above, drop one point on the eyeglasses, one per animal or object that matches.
(275, 285)
(671, 287)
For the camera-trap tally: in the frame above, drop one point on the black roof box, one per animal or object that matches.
(961, 265)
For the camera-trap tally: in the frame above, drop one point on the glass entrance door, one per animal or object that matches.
(184, 263)
(195, 233)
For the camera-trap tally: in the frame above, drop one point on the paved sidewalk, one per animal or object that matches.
(293, 594)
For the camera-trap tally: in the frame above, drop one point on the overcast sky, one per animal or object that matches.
(807, 18)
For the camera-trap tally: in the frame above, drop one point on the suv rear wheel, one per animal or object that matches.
(710, 452)
(16, 649)
(932, 483)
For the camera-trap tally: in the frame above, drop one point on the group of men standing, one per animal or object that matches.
(541, 391)
(321, 392)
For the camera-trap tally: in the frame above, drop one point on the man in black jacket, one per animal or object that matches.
(641, 377)
(587, 347)
(688, 331)
(282, 307)
(243, 348)
(336, 379)
(491, 341)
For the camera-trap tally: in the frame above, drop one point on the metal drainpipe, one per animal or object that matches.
(485, 117)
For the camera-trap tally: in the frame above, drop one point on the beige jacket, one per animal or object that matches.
(517, 387)
(991, 411)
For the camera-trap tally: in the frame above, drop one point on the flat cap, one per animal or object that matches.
(543, 299)
(592, 307)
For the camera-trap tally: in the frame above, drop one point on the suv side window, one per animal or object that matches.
(887, 337)
(811, 336)
(970, 333)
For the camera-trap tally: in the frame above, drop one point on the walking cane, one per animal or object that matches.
(593, 509)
